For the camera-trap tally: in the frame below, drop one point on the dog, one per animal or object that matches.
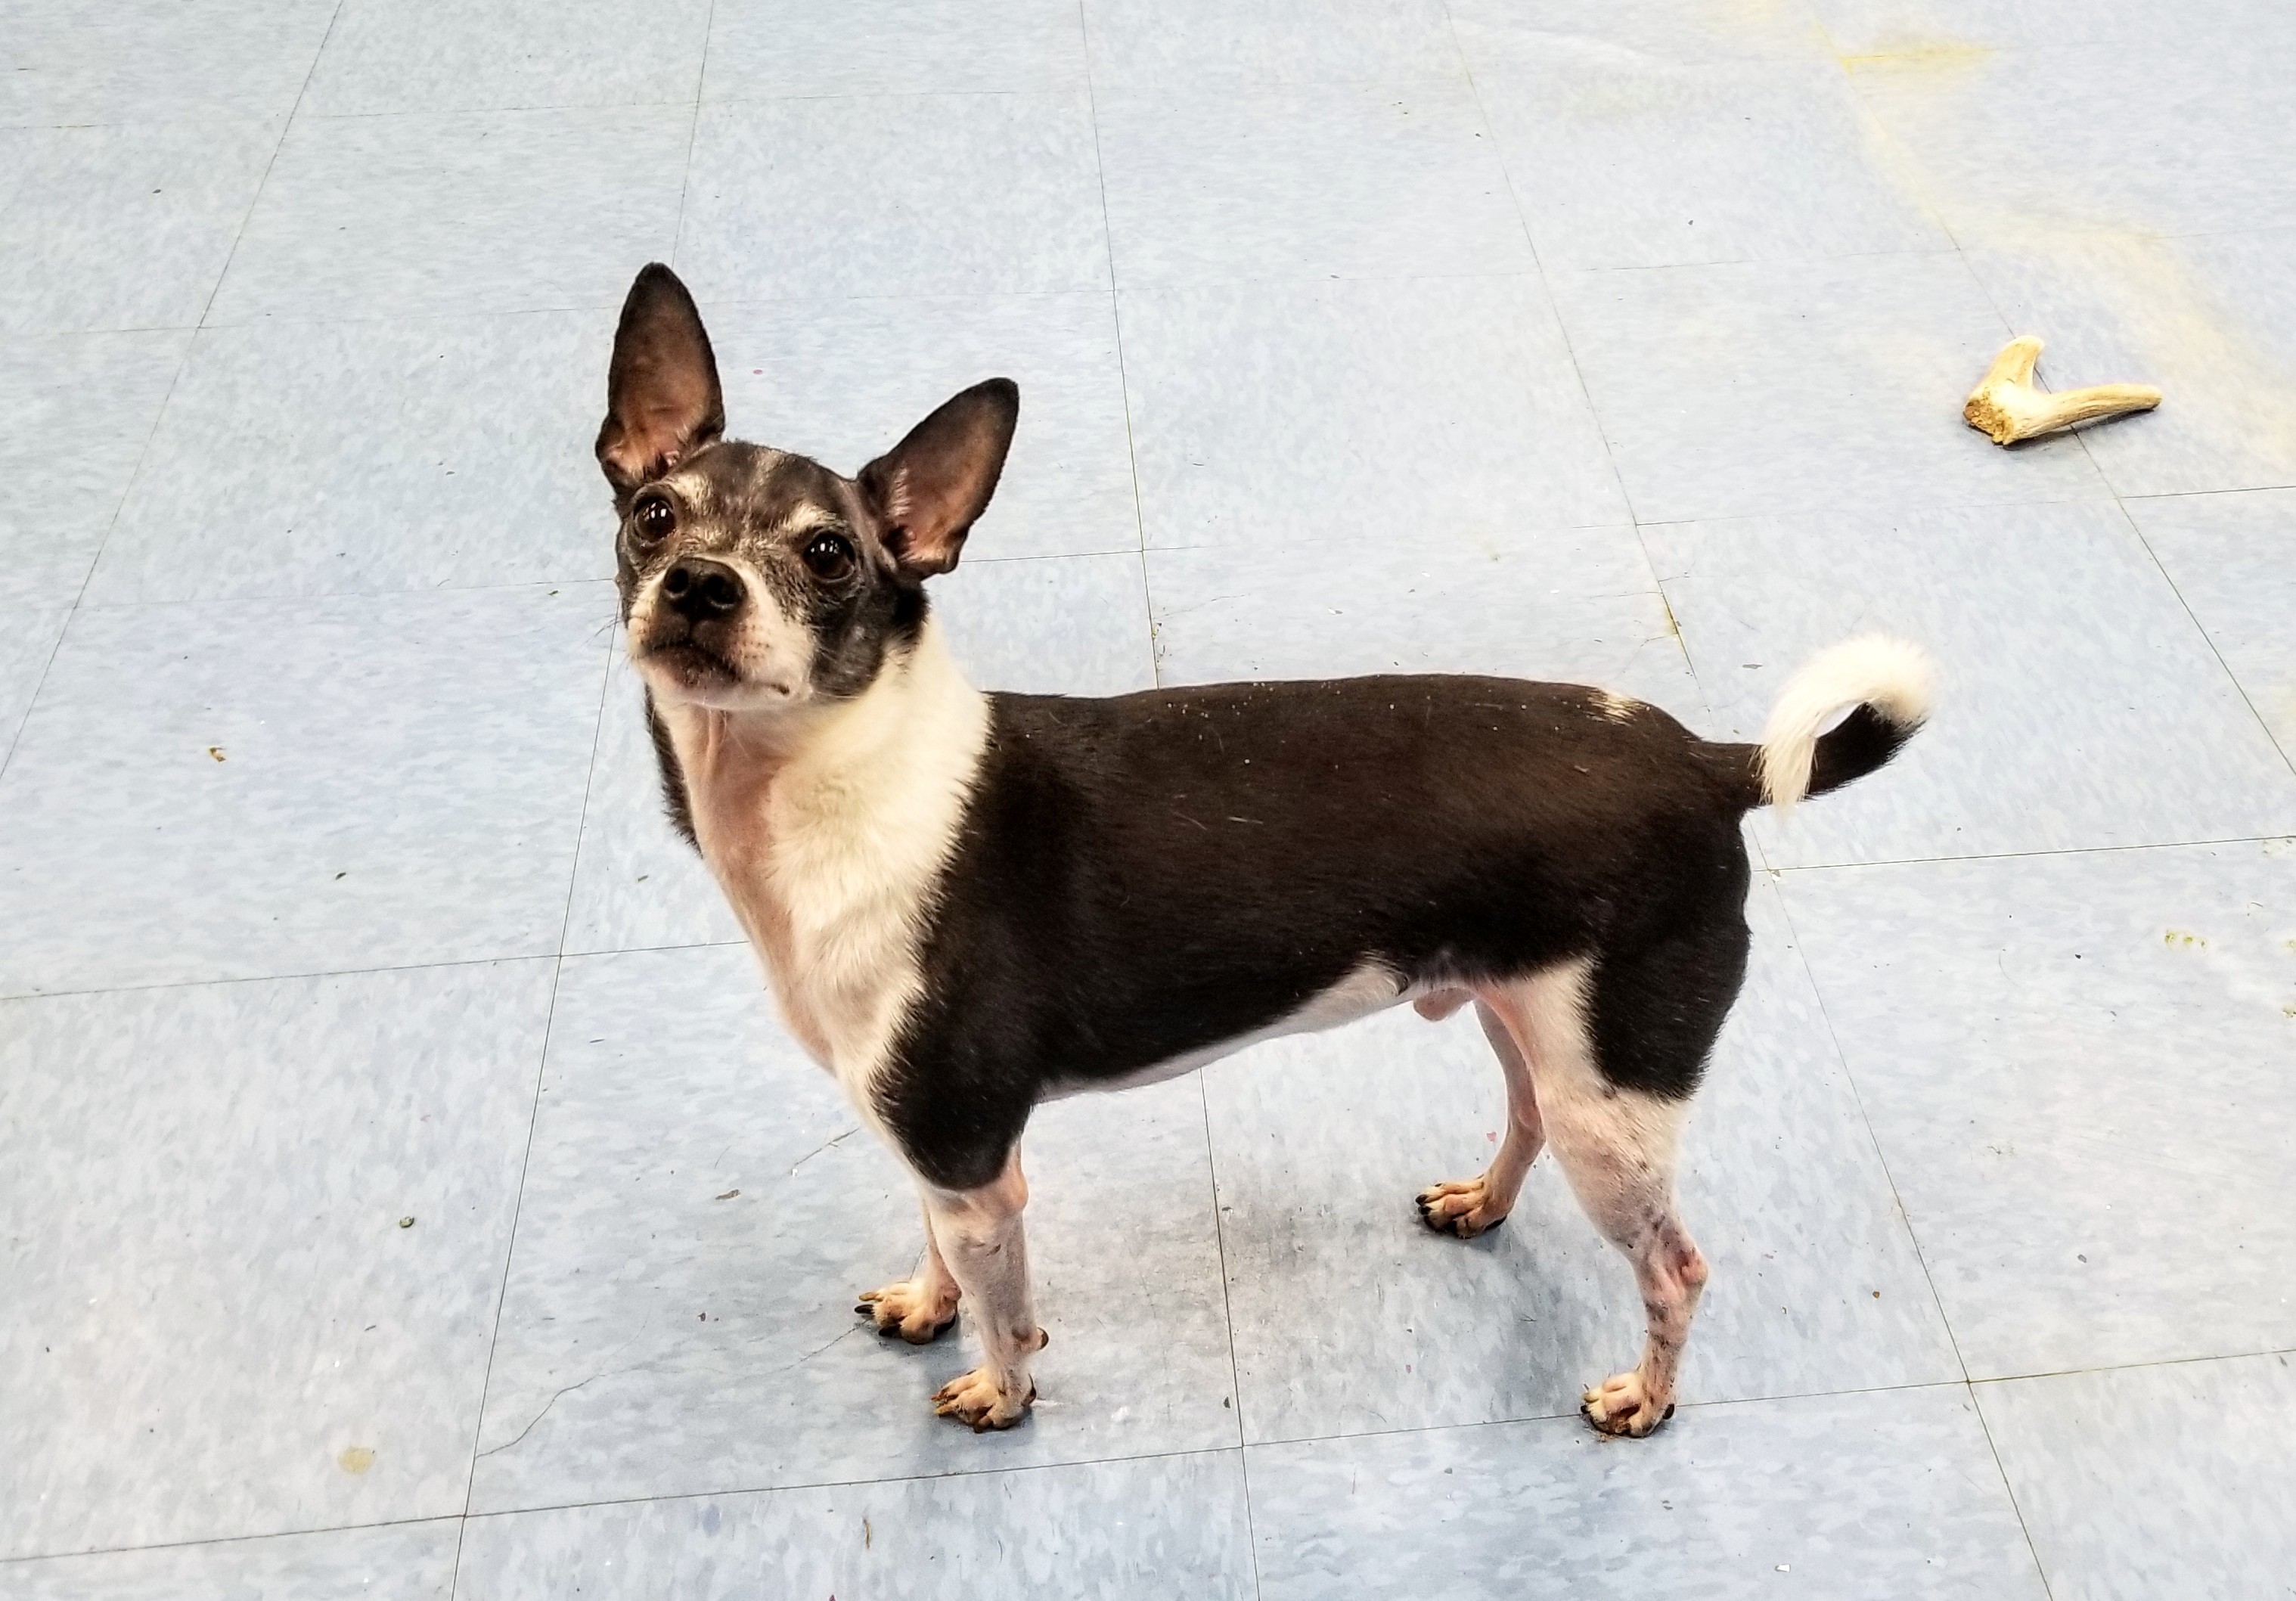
(966, 903)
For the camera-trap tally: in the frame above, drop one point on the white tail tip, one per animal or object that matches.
(1891, 676)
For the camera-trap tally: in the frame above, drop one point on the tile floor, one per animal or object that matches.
(1615, 339)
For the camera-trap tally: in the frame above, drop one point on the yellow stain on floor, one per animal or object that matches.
(1934, 57)
(2176, 331)
(355, 1460)
(2176, 327)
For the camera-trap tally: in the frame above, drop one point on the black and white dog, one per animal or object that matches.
(969, 903)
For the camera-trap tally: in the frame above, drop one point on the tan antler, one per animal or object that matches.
(2006, 406)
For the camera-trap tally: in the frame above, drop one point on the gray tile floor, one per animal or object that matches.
(1614, 340)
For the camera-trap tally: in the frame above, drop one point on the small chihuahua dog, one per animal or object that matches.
(966, 903)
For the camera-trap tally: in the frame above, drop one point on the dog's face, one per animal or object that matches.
(754, 580)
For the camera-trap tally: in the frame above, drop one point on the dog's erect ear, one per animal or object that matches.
(662, 399)
(931, 486)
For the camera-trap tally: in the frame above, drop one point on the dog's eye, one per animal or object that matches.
(653, 519)
(830, 557)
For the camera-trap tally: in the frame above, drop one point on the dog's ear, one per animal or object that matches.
(931, 487)
(662, 399)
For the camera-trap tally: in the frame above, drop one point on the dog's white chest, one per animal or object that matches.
(829, 852)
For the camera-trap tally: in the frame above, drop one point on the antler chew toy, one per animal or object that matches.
(2006, 406)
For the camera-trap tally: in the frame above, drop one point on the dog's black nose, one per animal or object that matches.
(700, 589)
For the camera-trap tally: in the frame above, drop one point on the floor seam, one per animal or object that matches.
(232, 1540)
(1243, 1448)
(572, 953)
(2287, 753)
(1571, 354)
(1913, 1236)
(1156, 676)
(159, 416)
(857, 1484)
(1123, 375)
(533, 1118)
(2051, 850)
(2149, 1362)
(1228, 1316)
(693, 131)
(286, 130)
(283, 597)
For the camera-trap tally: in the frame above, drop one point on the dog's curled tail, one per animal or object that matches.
(1884, 685)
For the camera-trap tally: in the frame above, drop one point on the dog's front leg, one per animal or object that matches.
(918, 1308)
(980, 1234)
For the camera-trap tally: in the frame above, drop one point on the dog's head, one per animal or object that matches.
(752, 579)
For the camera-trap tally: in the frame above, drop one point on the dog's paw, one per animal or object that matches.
(910, 1310)
(1621, 1405)
(977, 1399)
(1462, 1208)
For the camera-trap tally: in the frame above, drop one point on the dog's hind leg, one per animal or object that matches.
(1467, 1207)
(980, 1234)
(919, 1307)
(1617, 1145)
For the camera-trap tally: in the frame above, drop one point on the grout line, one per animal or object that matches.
(432, 113)
(533, 1117)
(349, 973)
(501, 1294)
(1774, 1397)
(285, 128)
(1891, 507)
(1156, 676)
(2287, 754)
(589, 786)
(2012, 856)
(1850, 1076)
(1518, 1421)
(1573, 1417)
(920, 1478)
(40, 684)
(587, 953)
(135, 472)
(231, 1539)
(1571, 352)
(693, 131)
(1123, 377)
(1228, 1316)
(2067, 1373)
(1055, 555)
(264, 597)
(2201, 494)
(1177, 1451)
